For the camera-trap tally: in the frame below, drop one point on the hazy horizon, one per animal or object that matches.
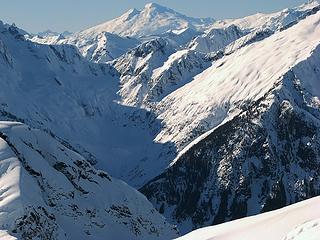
(36, 16)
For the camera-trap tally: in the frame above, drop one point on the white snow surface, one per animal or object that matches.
(299, 221)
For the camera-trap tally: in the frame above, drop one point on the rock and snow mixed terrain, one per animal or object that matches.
(211, 120)
(48, 191)
(261, 153)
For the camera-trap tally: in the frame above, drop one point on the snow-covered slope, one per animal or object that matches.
(101, 47)
(160, 98)
(216, 39)
(53, 88)
(253, 122)
(152, 19)
(136, 68)
(273, 21)
(297, 222)
(156, 68)
(49, 191)
(245, 75)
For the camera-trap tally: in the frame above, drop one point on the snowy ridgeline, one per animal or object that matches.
(300, 221)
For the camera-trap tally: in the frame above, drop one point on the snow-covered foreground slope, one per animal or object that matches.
(49, 191)
(299, 221)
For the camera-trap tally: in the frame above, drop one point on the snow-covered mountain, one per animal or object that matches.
(260, 132)
(97, 47)
(216, 39)
(152, 19)
(300, 221)
(50, 33)
(212, 121)
(272, 21)
(111, 39)
(49, 191)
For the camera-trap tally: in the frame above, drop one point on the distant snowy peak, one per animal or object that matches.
(152, 19)
(47, 33)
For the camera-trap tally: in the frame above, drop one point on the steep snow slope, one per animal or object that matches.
(275, 225)
(136, 68)
(245, 75)
(101, 46)
(258, 110)
(152, 19)
(273, 21)
(178, 70)
(156, 68)
(50, 192)
(216, 39)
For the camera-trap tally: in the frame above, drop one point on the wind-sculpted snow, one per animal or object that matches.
(50, 192)
(153, 70)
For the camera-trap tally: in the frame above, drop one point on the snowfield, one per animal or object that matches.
(297, 222)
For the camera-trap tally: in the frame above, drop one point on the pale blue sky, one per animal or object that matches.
(74, 15)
